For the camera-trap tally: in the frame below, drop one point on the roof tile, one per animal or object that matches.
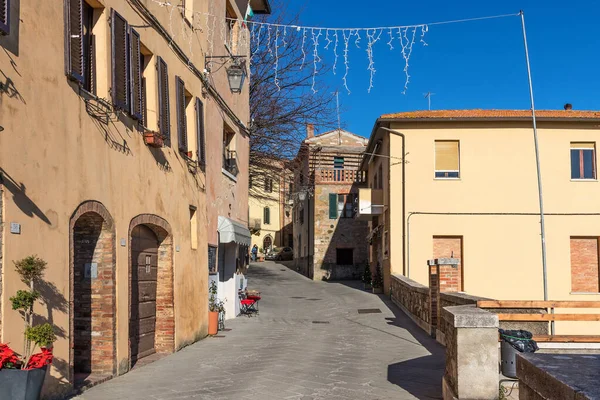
(479, 114)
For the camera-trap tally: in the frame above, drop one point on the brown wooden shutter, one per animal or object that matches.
(136, 75)
(144, 103)
(446, 155)
(181, 117)
(200, 132)
(73, 40)
(120, 54)
(4, 17)
(164, 122)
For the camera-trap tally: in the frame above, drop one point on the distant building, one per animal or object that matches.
(463, 184)
(270, 189)
(329, 243)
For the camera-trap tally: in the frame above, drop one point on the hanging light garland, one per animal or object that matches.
(274, 38)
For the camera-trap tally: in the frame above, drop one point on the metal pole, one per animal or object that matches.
(537, 161)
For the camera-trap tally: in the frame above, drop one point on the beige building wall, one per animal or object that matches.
(501, 253)
(259, 200)
(55, 156)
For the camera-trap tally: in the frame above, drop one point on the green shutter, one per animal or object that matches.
(332, 206)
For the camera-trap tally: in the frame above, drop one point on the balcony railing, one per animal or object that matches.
(230, 162)
(370, 203)
(341, 176)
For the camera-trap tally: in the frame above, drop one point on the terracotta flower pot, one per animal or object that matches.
(213, 322)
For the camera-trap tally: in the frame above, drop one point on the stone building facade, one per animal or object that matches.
(329, 243)
(108, 173)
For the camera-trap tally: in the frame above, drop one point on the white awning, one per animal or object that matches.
(231, 231)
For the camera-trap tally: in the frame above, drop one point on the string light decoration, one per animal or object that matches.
(252, 38)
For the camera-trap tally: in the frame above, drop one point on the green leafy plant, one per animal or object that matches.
(377, 277)
(31, 271)
(367, 275)
(214, 304)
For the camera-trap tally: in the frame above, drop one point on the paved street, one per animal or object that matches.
(309, 342)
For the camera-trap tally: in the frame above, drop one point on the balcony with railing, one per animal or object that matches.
(340, 176)
(370, 203)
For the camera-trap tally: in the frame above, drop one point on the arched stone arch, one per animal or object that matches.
(164, 339)
(92, 322)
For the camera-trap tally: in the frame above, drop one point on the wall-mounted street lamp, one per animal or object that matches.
(236, 72)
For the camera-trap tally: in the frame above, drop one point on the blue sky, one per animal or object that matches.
(467, 65)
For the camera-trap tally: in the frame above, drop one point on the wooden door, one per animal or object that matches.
(144, 269)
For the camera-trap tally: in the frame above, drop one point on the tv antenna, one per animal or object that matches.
(428, 97)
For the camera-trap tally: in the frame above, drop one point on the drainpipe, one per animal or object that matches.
(405, 268)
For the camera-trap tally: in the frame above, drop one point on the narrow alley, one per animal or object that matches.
(309, 342)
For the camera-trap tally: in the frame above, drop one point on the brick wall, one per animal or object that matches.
(93, 292)
(1, 249)
(450, 247)
(584, 265)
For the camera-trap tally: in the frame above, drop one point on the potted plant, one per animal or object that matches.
(22, 376)
(215, 306)
(367, 277)
(153, 139)
(377, 280)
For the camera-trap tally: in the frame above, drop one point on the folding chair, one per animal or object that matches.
(253, 295)
(247, 306)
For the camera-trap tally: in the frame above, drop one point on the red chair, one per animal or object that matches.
(247, 306)
(254, 296)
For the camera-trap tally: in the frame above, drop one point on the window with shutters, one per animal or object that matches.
(268, 185)
(583, 160)
(345, 205)
(80, 42)
(184, 101)
(200, 137)
(164, 120)
(267, 216)
(447, 159)
(4, 17)
(333, 205)
(120, 90)
(229, 153)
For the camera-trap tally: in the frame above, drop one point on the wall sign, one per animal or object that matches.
(15, 228)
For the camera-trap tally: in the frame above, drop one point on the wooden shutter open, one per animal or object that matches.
(144, 103)
(164, 121)
(4, 17)
(136, 75)
(181, 117)
(446, 155)
(200, 132)
(73, 40)
(333, 206)
(120, 55)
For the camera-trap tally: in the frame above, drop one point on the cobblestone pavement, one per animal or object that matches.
(309, 342)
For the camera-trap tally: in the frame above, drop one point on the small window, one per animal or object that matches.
(230, 23)
(267, 216)
(447, 159)
(344, 257)
(301, 216)
(380, 174)
(212, 259)
(268, 185)
(193, 228)
(250, 181)
(345, 208)
(4, 17)
(229, 153)
(338, 162)
(187, 9)
(583, 160)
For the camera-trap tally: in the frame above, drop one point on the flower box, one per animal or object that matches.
(153, 139)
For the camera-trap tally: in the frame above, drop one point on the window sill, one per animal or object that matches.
(585, 293)
(584, 180)
(229, 175)
(446, 179)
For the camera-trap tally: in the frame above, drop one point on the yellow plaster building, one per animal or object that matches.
(463, 183)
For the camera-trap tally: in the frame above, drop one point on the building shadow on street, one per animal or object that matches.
(422, 376)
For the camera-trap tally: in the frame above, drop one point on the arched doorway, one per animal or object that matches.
(92, 275)
(151, 311)
(144, 271)
(267, 244)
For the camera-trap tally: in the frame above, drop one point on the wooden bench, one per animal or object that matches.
(550, 317)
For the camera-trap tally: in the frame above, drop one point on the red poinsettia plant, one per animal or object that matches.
(31, 270)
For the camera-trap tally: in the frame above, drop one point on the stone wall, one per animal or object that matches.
(450, 300)
(413, 299)
(340, 233)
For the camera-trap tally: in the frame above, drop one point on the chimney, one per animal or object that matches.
(568, 106)
(310, 131)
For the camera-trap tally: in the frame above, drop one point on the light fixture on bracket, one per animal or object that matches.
(236, 72)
